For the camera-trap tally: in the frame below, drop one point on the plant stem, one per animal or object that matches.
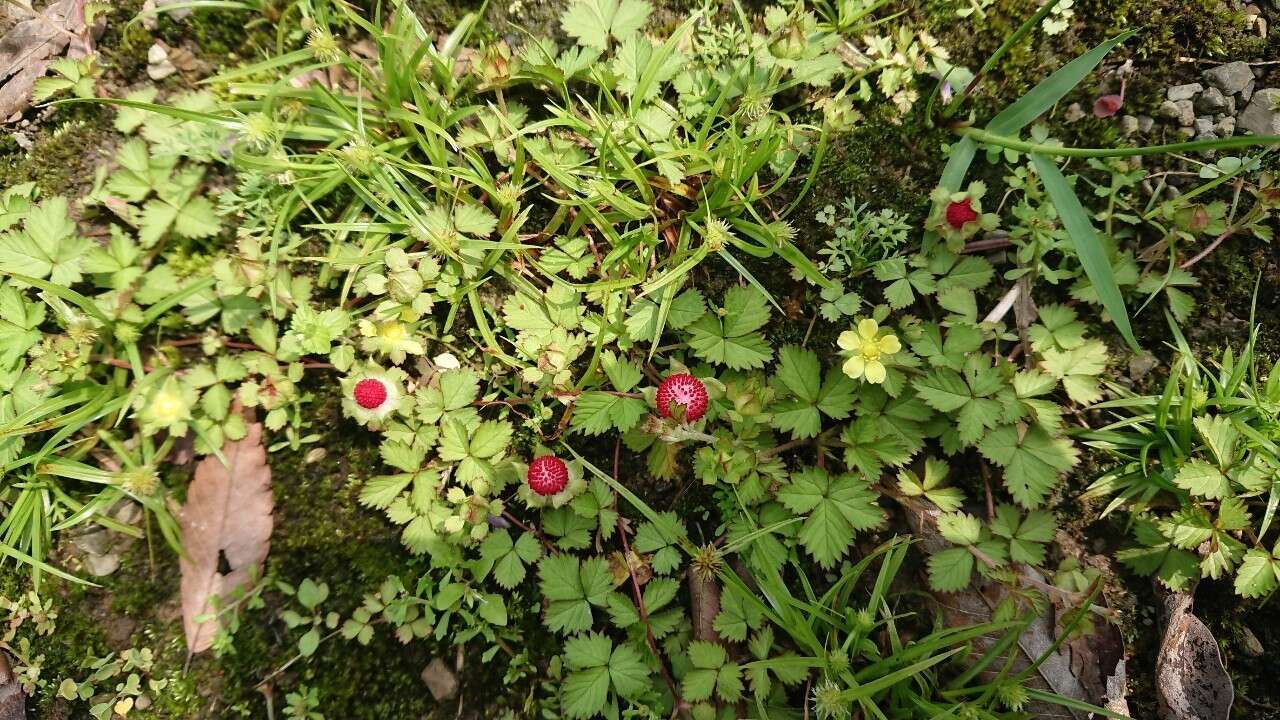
(1013, 143)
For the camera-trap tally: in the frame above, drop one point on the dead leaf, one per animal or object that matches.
(1191, 681)
(1080, 667)
(440, 680)
(27, 48)
(13, 702)
(704, 602)
(227, 520)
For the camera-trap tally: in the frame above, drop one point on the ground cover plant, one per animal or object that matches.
(537, 362)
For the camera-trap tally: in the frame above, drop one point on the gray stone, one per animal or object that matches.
(1225, 127)
(1247, 92)
(1230, 78)
(1211, 101)
(1261, 117)
(1146, 123)
(1203, 125)
(1181, 110)
(1231, 105)
(1128, 125)
(1184, 92)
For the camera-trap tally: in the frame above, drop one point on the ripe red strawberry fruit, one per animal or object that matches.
(960, 212)
(685, 390)
(548, 475)
(370, 393)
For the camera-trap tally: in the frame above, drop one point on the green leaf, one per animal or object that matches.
(948, 499)
(1220, 436)
(1089, 248)
(729, 337)
(1078, 369)
(799, 372)
(1027, 536)
(48, 246)
(595, 413)
(951, 569)
(1257, 574)
(1032, 460)
(571, 587)
(805, 396)
(1203, 479)
(960, 528)
(595, 668)
(508, 558)
(836, 507)
(593, 22)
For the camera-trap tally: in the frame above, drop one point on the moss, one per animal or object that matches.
(60, 161)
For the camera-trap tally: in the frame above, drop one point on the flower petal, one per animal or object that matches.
(849, 340)
(867, 329)
(889, 344)
(854, 366)
(875, 372)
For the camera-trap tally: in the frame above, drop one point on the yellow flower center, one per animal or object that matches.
(393, 331)
(167, 406)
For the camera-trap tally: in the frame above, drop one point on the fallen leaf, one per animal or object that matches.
(227, 519)
(440, 680)
(13, 702)
(1107, 105)
(704, 602)
(27, 48)
(1191, 681)
(1078, 669)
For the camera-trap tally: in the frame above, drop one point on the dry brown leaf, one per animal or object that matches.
(1191, 681)
(1079, 669)
(13, 702)
(704, 601)
(227, 520)
(27, 48)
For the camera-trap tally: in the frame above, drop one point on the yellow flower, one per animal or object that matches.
(869, 349)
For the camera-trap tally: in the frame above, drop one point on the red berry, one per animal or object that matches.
(548, 475)
(370, 393)
(960, 212)
(685, 390)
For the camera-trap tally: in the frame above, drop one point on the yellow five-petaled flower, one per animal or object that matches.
(869, 349)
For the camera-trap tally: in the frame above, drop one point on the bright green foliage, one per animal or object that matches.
(517, 241)
(712, 674)
(47, 246)
(1209, 430)
(834, 508)
(1032, 459)
(597, 671)
(810, 398)
(729, 336)
(572, 587)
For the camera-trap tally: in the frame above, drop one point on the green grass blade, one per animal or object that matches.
(1052, 89)
(1089, 247)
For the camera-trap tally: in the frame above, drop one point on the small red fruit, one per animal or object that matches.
(548, 475)
(960, 212)
(685, 390)
(370, 393)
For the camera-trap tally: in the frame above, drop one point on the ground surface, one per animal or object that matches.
(322, 533)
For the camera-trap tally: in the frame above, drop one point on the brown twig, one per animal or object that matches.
(635, 584)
